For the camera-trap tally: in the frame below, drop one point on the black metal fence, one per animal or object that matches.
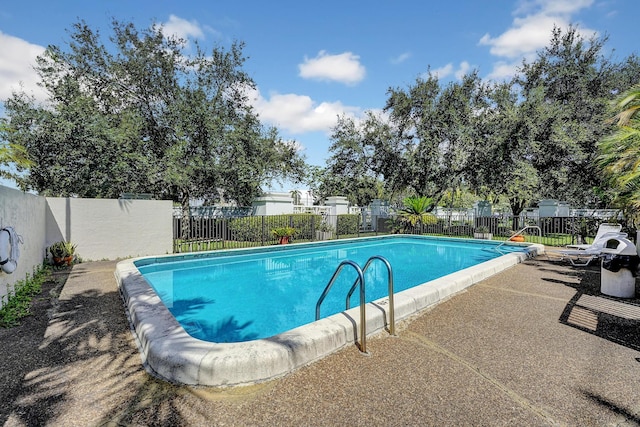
(226, 233)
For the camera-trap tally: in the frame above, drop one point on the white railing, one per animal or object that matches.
(453, 214)
(318, 210)
(355, 210)
(596, 213)
(213, 211)
(386, 211)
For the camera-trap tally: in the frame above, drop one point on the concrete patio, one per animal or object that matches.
(534, 345)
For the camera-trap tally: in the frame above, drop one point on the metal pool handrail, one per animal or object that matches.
(392, 321)
(363, 319)
(497, 248)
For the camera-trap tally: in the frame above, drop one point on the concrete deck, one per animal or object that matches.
(534, 345)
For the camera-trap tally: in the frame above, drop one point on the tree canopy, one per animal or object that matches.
(526, 139)
(146, 112)
(422, 145)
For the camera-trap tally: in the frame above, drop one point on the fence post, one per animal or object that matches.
(176, 224)
(573, 229)
(262, 231)
(223, 232)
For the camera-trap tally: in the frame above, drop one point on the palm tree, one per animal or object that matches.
(629, 102)
(416, 212)
(297, 196)
(620, 151)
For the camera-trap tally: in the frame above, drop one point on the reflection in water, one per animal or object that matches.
(226, 330)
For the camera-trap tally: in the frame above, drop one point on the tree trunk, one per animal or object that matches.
(517, 206)
(185, 222)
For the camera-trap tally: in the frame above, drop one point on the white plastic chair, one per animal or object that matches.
(583, 257)
(603, 229)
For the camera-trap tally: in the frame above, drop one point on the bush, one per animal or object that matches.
(460, 230)
(437, 228)
(17, 303)
(305, 224)
(504, 231)
(250, 229)
(258, 228)
(348, 224)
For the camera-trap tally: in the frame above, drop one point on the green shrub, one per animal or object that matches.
(348, 224)
(280, 232)
(17, 303)
(305, 224)
(460, 230)
(250, 228)
(504, 231)
(258, 228)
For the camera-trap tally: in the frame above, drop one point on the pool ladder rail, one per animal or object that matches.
(360, 281)
(517, 233)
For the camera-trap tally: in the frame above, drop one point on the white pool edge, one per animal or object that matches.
(170, 353)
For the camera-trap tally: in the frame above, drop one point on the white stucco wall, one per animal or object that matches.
(101, 228)
(110, 228)
(26, 214)
(339, 205)
(273, 203)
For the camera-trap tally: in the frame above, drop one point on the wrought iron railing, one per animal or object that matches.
(206, 233)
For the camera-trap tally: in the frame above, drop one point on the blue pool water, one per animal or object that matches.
(247, 295)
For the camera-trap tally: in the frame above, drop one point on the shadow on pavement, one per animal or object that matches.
(614, 319)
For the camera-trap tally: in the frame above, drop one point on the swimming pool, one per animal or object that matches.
(169, 351)
(243, 297)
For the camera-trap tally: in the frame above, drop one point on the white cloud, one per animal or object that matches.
(449, 69)
(401, 58)
(343, 68)
(463, 70)
(552, 7)
(182, 28)
(504, 70)
(17, 59)
(531, 30)
(443, 72)
(526, 35)
(298, 114)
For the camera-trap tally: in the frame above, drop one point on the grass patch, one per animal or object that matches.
(548, 240)
(17, 303)
(180, 246)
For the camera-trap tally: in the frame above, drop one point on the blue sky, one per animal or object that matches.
(314, 60)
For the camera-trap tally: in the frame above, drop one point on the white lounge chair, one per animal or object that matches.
(583, 257)
(604, 228)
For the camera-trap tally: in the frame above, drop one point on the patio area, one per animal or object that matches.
(534, 345)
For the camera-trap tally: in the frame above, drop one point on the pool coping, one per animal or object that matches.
(170, 353)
